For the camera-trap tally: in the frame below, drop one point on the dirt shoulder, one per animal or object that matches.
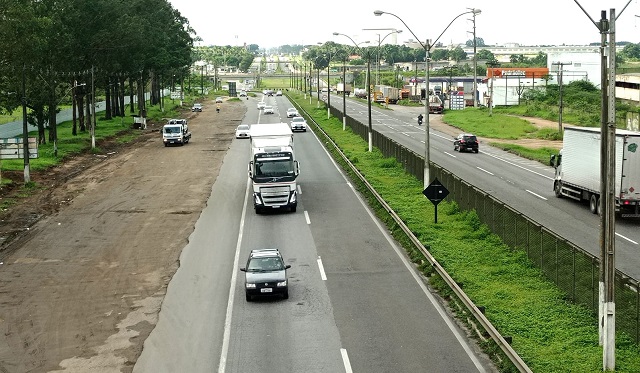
(86, 260)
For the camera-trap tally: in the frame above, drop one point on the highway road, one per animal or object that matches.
(356, 302)
(523, 184)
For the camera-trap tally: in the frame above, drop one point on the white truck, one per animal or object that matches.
(578, 169)
(273, 168)
(176, 131)
(341, 87)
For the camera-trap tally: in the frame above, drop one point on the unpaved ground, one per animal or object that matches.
(82, 287)
(86, 260)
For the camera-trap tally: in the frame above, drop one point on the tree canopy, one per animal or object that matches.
(57, 44)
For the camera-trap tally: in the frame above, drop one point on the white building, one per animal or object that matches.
(575, 65)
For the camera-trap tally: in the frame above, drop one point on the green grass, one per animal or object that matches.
(541, 155)
(275, 82)
(497, 126)
(550, 334)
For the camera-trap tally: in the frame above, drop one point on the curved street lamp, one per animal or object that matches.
(368, 87)
(394, 31)
(427, 50)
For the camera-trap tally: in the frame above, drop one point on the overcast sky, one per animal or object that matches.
(281, 22)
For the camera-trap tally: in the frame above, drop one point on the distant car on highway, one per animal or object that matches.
(298, 124)
(265, 274)
(218, 100)
(466, 141)
(196, 107)
(268, 110)
(292, 112)
(278, 93)
(242, 131)
(261, 105)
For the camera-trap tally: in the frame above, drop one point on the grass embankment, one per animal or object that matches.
(550, 334)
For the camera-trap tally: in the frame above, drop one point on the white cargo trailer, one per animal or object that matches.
(578, 169)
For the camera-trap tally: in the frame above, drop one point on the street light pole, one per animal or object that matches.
(427, 48)
(368, 86)
(393, 31)
(344, 96)
(475, 58)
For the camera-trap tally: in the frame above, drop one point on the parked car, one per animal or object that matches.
(261, 105)
(292, 112)
(219, 100)
(298, 124)
(279, 93)
(242, 131)
(268, 110)
(466, 141)
(196, 107)
(265, 274)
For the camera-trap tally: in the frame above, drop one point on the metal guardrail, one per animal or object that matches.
(495, 335)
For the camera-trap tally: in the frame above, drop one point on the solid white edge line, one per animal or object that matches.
(483, 170)
(628, 239)
(345, 360)
(222, 365)
(323, 275)
(306, 217)
(535, 194)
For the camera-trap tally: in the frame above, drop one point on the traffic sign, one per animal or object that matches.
(436, 192)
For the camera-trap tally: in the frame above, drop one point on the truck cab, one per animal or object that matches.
(176, 131)
(273, 168)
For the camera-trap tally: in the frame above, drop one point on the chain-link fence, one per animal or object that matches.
(573, 270)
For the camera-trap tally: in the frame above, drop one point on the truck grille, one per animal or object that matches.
(275, 196)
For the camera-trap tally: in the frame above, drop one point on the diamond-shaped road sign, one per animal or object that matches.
(435, 192)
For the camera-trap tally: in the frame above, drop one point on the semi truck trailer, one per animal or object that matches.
(577, 169)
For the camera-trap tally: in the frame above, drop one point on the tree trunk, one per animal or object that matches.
(131, 96)
(123, 81)
(88, 108)
(74, 128)
(107, 99)
(80, 106)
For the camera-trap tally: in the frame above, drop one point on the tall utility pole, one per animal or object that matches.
(560, 102)
(475, 58)
(606, 296)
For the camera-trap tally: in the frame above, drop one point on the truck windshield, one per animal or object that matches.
(172, 130)
(275, 167)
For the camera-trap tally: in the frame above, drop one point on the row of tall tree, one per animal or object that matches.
(51, 50)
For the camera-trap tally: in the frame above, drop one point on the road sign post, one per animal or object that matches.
(435, 192)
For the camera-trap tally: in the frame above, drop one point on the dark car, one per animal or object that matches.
(466, 141)
(265, 274)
